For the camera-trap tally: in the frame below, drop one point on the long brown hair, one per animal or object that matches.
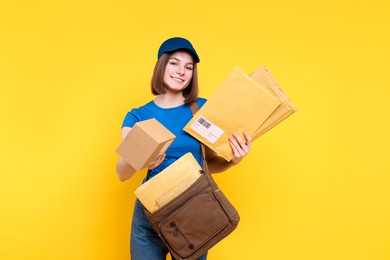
(190, 93)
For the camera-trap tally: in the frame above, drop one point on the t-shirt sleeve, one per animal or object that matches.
(201, 102)
(130, 119)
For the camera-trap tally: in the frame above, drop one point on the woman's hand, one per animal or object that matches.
(240, 147)
(157, 162)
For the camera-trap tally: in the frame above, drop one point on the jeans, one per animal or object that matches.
(145, 244)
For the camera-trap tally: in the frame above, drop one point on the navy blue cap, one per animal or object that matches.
(177, 43)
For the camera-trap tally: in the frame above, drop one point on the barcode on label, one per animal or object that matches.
(207, 129)
(204, 122)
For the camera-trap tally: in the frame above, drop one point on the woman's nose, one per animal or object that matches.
(180, 70)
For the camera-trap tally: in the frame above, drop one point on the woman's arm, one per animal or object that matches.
(240, 149)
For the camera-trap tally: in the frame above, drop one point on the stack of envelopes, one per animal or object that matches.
(264, 77)
(169, 183)
(252, 103)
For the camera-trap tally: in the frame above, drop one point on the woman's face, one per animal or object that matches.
(178, 71)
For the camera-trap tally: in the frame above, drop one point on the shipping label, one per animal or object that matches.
(207, 129)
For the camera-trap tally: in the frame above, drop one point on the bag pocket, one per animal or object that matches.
(198, 221)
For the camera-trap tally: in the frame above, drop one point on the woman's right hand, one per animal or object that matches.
(157, 162)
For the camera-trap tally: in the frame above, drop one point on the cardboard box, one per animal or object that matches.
(144, 143)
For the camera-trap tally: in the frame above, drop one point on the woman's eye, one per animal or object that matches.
(189, 68)
(172, 63)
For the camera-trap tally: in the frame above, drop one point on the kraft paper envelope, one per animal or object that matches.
(264, 77)
(238, 104)
(169, 183)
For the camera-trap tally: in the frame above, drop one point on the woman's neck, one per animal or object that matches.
(169, 100)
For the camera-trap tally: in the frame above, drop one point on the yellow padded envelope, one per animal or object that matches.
(264, 77)
(169, 183)
(238, 104)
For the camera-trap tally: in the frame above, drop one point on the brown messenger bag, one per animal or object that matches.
(197, 219)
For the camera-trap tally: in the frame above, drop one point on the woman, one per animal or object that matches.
(175, 85)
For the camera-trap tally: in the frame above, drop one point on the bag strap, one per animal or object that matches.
(194, 108)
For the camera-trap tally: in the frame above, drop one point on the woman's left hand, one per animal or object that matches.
(240, 147)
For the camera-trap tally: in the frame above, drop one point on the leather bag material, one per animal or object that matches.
(195, 221)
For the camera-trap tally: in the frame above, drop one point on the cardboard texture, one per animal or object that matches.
(238, 104)
(169, 183)
(145, 141)
(264, 77)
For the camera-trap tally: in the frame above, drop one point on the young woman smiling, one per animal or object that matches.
(175, 85)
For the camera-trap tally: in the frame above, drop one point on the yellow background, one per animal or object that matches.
(315, 187)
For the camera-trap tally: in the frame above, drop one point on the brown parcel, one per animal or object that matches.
(169, 183)
(145, 141)
(264, 77)
(238, 104)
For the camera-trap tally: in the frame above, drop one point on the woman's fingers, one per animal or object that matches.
(157, 162)
(239, 146)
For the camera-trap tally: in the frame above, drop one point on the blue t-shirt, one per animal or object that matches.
(174, 119)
